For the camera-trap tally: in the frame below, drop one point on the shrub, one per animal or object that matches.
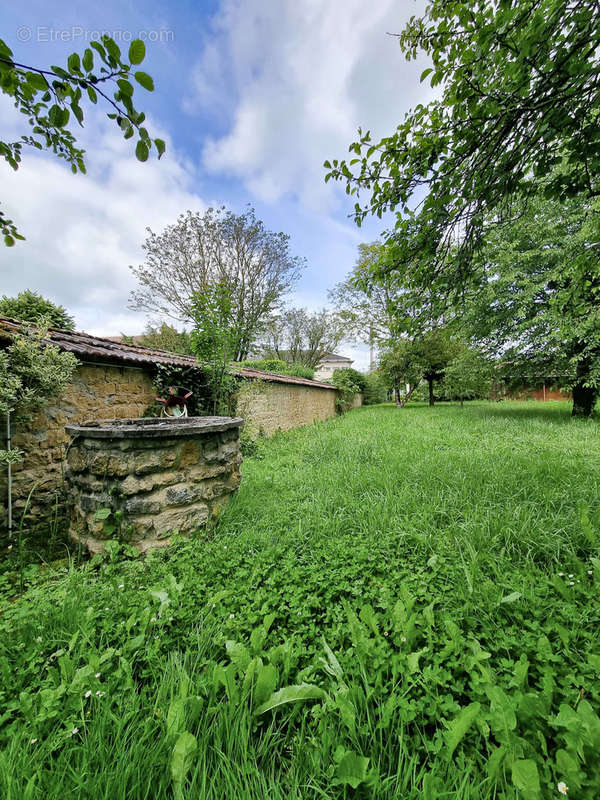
(375, 390)
(349, 383)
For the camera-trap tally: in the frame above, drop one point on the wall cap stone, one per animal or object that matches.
(153, 428)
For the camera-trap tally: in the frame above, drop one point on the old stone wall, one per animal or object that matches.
(96, 392)
(271, 406)
(114, 392)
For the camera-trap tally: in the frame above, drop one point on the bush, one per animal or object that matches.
(349, 383)
(280, 367)
(375, 390)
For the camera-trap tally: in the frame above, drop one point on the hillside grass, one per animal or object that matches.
(428, 577)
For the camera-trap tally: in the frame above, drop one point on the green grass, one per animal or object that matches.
(402, 563)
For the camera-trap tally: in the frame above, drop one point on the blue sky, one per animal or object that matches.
(251, 95)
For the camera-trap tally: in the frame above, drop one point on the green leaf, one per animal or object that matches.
(137, 51)
(425, 73)
(144, 80)
(88, 60)
(102, 513)
(512, 597)
(460, 725)
(181, 760)
(92, 94)
(176, 718)
(238, 654)
(352, 770)
(8, 240)
(74, 63)
(141, 151)
(525, 778)
(125, 87)
(266, 681)
(292, 694)
(160, 146)
(37, 81)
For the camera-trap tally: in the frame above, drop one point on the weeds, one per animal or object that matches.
(396, 604)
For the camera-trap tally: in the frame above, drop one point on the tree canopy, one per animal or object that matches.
(299, 336)
(536, 300)
(30, 306)
(217, 248)
(518, 94)
(52, 99)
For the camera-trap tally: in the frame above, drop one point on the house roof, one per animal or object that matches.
(108, 351)
(335, 357)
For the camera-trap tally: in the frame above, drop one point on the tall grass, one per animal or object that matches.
(404, 563)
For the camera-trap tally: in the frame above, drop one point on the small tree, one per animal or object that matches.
(31, 371)
(30, 306)
(214, 341)
(468, 376)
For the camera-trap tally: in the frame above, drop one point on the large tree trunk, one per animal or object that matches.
(431, 397)
(584, 400)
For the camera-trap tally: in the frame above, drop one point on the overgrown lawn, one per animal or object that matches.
(397, 604)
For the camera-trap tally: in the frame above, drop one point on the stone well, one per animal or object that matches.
(142, 479)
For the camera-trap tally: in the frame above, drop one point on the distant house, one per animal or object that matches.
(328, 365)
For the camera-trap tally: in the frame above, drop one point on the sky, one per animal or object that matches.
(251, 97)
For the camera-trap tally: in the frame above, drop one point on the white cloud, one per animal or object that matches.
(291, 82)
(83, 231)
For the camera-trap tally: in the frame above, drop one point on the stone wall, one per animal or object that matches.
(270, 406)
(97, 392)
(114, 392)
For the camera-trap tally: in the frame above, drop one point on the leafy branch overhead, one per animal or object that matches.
(517, 86)
(52, 98)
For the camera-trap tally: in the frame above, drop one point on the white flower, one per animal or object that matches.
(9, 547)
(224, 547)
(88, 693)
(231, 616)
(74, 731)
(32, 741)
(590, 571)
(97, 675)
(403, 639)
(121, 586)
(100, 694)
(562, 787)
(561, 574)
(38, 638)
(153, 619)
(571, 575)
(571, 583)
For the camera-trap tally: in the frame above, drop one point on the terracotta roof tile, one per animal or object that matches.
(95, 348)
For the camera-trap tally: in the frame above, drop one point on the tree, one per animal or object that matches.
(166, 337)
(365, 307)
(519, 94)
(434, 352)
(425, 357)
(214, 340)
(217, 248)
(536, 299)
(301, 337)
(30, 306)
(31, 371)
(400, 366)
(51, 98)
(468, 376)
